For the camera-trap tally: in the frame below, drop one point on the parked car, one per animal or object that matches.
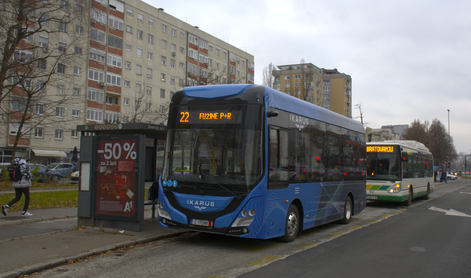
(43, 174)
(65, 169)
(75, 176)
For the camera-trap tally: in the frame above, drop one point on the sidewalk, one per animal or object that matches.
(38, 252)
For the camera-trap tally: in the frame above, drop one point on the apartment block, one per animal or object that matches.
(131, 59)
(327, 88)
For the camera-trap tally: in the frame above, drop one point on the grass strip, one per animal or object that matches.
(44, 200)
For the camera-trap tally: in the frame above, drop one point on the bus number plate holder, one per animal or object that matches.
(372, 197)
(200, 222)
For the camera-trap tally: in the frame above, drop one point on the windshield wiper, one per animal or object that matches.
(227, 189)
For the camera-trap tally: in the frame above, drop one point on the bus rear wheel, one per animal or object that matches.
(292, 224)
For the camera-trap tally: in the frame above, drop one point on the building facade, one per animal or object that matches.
(323, 87)
(130, 59)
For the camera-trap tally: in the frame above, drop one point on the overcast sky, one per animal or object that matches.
(408, 59)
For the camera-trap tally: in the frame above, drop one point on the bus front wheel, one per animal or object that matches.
(347, 211)
(292, 224)
(408, 202)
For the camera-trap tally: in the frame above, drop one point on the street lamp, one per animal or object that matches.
(449, 140)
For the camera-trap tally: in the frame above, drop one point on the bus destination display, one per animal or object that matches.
(202, 117)
(379, 149)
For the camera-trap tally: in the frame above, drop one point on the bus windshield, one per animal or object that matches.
(383, 166)
(222, 158)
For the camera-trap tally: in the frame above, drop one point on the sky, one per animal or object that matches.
(408, 59)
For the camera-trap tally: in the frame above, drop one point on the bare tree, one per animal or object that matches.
(268, 79)
(142, 106)
(36, 79)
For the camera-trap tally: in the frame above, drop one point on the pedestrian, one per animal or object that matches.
(21, 187)
(444, 176)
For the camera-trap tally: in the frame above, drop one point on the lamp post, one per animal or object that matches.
(449, 141)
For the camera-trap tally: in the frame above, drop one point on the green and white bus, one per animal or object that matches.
(398, 171)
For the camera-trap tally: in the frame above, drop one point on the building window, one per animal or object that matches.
(164, 44)
(75, 112)
(182, 50)
(94, 115)
(58, 134)
(41, 63)
(127, 65)
(77, 71)
(60, 90)
(97, 35)
(162, 76)
(139, 34)
(138, 70)
(140, 18)
(149, 90)
(78, 50)
(40, 109)
(164, 60)
(148, 105)
(150, 39)
(138, 87)
(62, 47)
(60, 112)
(172, 80)
(61, 68)
(172, 63)
(126, 101)
(128, 47)
(150, 55)
(95, 95)
(162, 93)
(149, 73)
(115, 61)
(139, 52)
(174, 33)
(97, 55)
(164, 28)
(43, 41)
(129, 11)
(128, 29)
(63, 26)
(151, 22)
(39, 132)
(96, 75)
(78, 29)
(127, 83)
(74, 133)
(76, 91)
(113, 79)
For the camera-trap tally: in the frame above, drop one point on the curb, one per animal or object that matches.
(56, 262)
(33, 220)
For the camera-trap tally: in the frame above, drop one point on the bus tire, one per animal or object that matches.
(427, 196)
(347, 211)
(292, 224)
(408, 202)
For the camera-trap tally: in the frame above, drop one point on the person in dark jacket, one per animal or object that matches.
(21, 187)
(444, 176)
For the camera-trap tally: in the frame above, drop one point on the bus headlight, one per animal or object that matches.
(394, 188)
(164, 214)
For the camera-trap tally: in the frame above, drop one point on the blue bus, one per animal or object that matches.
(249, 161)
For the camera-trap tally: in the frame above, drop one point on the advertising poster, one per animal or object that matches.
(116, 177)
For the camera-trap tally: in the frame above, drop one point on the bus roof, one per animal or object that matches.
(282, 101)
(408, 143)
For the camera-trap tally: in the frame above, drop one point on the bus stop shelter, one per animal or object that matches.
(115, 162)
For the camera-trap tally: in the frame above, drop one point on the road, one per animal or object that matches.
(428, 239)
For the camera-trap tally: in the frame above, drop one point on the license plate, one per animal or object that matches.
(199, 222)
(372, 197)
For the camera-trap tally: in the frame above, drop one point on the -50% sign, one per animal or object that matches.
(114, 150)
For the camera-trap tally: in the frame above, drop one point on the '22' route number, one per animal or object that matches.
(185, 116)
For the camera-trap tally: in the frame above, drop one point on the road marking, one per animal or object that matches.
(264, 260)
(465, 192)
(450, 212)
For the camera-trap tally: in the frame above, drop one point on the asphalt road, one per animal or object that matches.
(428, 239)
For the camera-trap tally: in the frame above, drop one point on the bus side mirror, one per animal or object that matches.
(272, 114)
